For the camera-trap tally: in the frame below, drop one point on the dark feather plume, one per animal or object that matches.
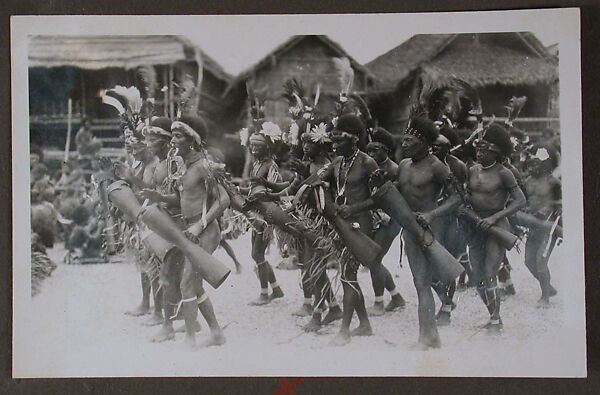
(293, 90)
(149, 84)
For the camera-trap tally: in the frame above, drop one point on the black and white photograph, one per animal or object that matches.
(298, 195)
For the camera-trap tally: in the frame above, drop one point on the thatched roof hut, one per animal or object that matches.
(78, 67)
(307, 58)
(498, 65)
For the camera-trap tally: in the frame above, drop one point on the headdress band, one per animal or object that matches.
(415, 132)
(340, 134)
(187, 129)
(486, 145)
(155, 130)
(258, 138)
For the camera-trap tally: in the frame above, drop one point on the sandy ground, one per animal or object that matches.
(79, 329)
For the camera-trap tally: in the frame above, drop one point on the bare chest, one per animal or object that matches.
(485, 182)
(416, 176)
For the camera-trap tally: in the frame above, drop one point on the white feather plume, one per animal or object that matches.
(132, 95)
(345, 74)
(111, 101)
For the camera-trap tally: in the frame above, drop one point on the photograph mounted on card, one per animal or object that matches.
(218, 196)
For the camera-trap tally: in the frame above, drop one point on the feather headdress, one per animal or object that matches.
(301, 108)
(127, 102)
(293, 92)
(270, 131)
(149, 84)
(345, 74)
(513, 109)
(446, 99)
(187, 92)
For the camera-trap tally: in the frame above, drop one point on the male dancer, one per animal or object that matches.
(348, 175)
(421, 179)
(379, 149)
(544, 201)
(315, 282)
(202, 201)
(265, 167)
(158, 136)
(139, 177)
(490, 185)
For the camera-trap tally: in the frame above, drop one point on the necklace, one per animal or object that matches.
(488, 167)
(344, 170)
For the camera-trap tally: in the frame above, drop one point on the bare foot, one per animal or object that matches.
(304, 311)
(544, 302)
(422, 347)
(139, 311)
(362, 330)
(341, 339)
(376, 310)
(215, 339)
(425, 344)
(397, 302)
(155, 319)
(261, 300)
(334, 314)
(196, 325)
(166, 333)
(238, 268)
(190, 341)
(313, 325)
(277, 293)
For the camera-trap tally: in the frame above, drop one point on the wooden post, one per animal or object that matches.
(82, 110)
(165, 93)
(171, 95)
(69, 116)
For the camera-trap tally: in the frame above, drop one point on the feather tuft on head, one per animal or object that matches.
(345, 74)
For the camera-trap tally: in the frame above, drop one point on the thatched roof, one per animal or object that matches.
(128, 52)
(395, 65)
(291, 43)
(479, 59)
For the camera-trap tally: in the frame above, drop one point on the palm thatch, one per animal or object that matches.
(481, 59)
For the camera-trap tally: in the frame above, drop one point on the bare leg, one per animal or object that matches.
(157, 316)
(231, 253)
(536, 262)
(380, 275)
(488, 259)
(343, 337)
(304, 257)
(353, 300)
(378, 281)
(144, 306)
(216, 333)
(189, 310)
(171, 279)
(428, 333)
(364, 326)
(259, 246)
(277, 292)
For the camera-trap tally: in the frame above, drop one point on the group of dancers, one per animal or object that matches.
(333, 189)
